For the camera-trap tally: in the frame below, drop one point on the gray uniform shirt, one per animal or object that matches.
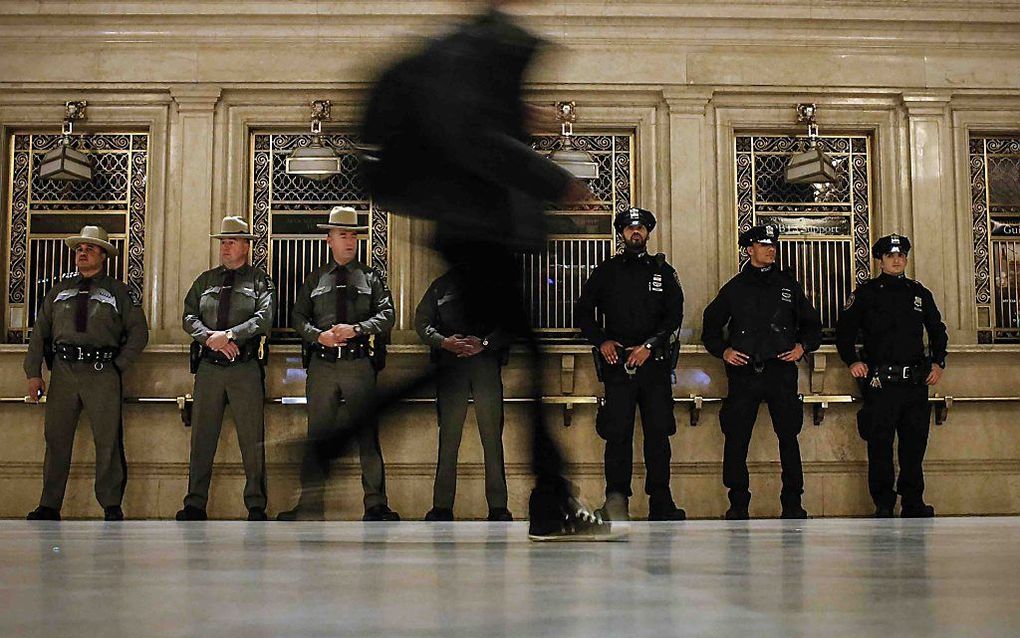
(252, 303)
(114, 321)
(369, 302)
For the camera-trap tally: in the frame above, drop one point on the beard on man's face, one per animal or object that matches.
(635, 241)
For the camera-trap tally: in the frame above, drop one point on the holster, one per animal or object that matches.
(48, 353)
(306, 354)
(377, 350)
(599, 364)
(194, 356)
(263, 352)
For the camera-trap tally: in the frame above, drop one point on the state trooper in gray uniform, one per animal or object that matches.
(88, 330)
(228, 312)
(341, 310)
(469, 358)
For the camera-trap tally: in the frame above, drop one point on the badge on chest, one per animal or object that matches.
(655, 285)
(918, 304)
(786, 295)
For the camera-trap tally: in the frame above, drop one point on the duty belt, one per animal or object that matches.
(351, 351)
(896, 374)
(248, 351)
(87, 353)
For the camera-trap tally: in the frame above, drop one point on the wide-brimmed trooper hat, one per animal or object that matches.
(233, 228)
(94, 235)
(342, 217)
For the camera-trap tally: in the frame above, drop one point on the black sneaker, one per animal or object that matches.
(919, 510)
(43, 513)
(439, 515)
(668, 513)
(300, 513)
(257, 514)
(191, 513)
(500, 515)
(113, 513)
(577, 525)
(737, 513)
(380, 513)
(793, 512)
(883, 511)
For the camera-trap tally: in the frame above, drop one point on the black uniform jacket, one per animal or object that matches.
(640, 297)
(767, 313)
(891, 314)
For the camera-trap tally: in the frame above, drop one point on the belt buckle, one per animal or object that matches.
(905, 373)
(81, 353)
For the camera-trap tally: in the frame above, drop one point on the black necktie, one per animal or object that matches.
(223, 312)
(81, 315)
(341, 295)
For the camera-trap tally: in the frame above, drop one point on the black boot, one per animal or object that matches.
(257, 514)
(917, 510)
(43, 513)
(301, 513)
(113, 513)
(191, 513)
(380, 513)
(665, 510)
(439, 515)
(500, 515)
(737, 513)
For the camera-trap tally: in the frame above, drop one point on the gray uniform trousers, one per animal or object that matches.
(478, 376)
(354, 383)
(241, 386)
(74, 385)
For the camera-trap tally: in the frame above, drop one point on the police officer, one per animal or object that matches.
(643, 305)
(339, 308)
(469, 358)
(771, 325)
(89, 331)
(891, 313)
(228, 312)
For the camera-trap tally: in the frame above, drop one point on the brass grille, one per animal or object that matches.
(995, 208)
(41, 212)
(826, 232)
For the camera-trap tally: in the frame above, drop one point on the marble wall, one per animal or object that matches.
(918, 76)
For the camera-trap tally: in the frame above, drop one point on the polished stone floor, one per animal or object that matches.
(896, 578)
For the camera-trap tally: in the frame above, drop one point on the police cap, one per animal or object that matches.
(634, 217)
(890, 244)
(765, 234)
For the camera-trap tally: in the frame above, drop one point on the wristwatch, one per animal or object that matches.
(230, 335)
(485, 343)
(357, 329)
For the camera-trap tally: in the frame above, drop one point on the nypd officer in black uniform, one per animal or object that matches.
(772, 325)
(643, 305)
(891, 313)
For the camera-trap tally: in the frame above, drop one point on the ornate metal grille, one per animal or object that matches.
(826, 230)
(581, 237)
(995, 208)
(286, 208)
(42, 212)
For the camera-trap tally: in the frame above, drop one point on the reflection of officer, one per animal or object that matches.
(94, 331)
(892, 312)
(228, 312)
(469, 358)
(643, 305)
(771, 326)
(338, 308)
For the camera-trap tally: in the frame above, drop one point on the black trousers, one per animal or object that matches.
(888, 411)
(776, 385)
(649, 388)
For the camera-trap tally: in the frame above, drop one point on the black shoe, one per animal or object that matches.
(191, 513)
(668, 513)
(437, 515)
(113, 513)
(919, 510)
(379, 513)
(793, 511)
(300, 513)
(43, 513)
(883, 511)
(257, 514)
(737, 513)
(577, 524)
(500, 515)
